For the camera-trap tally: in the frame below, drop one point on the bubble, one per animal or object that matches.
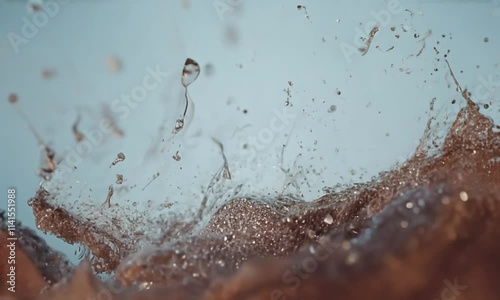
(404, 224)
(352, 258)
(464, 196)
(328, 219)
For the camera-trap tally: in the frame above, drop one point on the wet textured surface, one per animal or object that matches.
(432, 222)
(269, 190)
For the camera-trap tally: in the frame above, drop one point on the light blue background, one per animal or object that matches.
(381, 112)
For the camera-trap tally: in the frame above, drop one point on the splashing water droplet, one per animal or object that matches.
(108, 197)
(190, 72)
(119, 157)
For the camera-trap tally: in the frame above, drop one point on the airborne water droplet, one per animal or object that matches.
(108, 197)
(190, 72)
(119, 157)
(12, 98)
(176, 157)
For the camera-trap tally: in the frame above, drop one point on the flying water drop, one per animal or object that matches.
(190, 72)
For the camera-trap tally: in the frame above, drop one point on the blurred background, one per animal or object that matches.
(305, 96)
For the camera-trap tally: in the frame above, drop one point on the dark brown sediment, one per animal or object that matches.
(409, 234)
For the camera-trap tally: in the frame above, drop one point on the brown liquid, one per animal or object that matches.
(427, 230)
